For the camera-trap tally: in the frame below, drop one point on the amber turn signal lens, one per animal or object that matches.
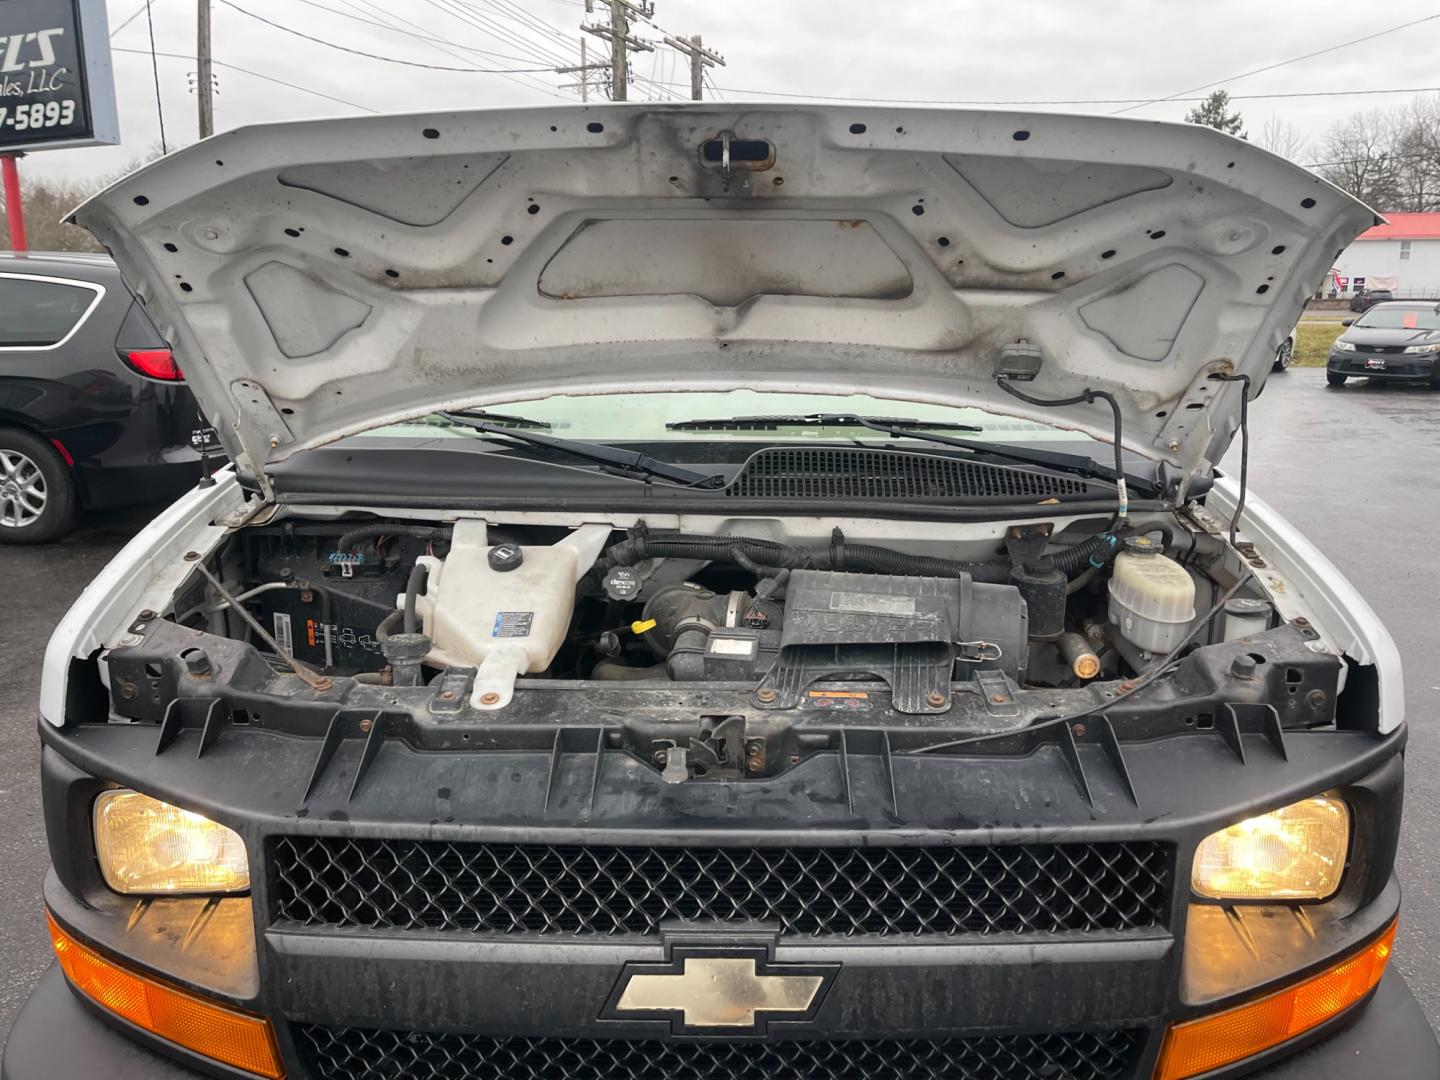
(223, 1034)
(1197, 1046)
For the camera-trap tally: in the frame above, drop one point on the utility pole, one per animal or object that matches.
(622, 44)
(700, 59)
(584, 70)
(204, 74)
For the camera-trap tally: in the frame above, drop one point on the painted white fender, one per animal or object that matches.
(144, 574)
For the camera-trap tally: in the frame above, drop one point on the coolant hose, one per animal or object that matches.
(418, 574)
(1094, 551)
(769, 553)
(351, 539)
(872, 559)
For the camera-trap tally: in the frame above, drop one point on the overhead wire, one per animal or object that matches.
(155, 70)
(254, 74)
(862, 100)
(427, 38)
(1282, 63)
(373, 56)
(389, 18)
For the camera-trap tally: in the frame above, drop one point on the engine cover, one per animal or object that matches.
(909, 631)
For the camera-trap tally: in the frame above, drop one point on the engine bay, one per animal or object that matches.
(716, 653)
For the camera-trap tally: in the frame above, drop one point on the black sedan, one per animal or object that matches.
(1395, 340)
(94, 412)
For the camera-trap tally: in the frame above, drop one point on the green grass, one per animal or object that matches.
(1312, 342)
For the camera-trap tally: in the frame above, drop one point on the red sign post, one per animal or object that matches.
(14, 209)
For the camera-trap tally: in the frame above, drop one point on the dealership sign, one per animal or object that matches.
(56, 87)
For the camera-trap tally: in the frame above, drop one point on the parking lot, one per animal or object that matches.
(1354, 469)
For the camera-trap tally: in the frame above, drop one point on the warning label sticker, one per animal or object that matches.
(283, 636)
(513, 623)
(872, 603)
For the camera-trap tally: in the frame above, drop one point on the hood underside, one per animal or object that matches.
(321, 278)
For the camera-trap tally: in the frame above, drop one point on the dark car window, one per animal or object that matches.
(138, 332)
(1400, 318)
(38, 313)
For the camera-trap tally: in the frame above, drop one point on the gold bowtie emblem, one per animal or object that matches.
(719, 992)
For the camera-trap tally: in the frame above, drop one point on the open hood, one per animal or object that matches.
(321, 278)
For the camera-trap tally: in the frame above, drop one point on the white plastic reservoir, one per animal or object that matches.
(505, 608)
(1152, 597)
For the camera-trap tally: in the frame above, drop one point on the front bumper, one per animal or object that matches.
(1397, 366)
(57, 1037)
(339, 990)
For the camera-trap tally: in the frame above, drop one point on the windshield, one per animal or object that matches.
(1400, 318)
(643, 417)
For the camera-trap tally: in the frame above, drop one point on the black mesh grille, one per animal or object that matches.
(554, 889)
(356, 1054)
(839, 473)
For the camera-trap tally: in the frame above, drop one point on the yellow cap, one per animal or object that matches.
(639, 626)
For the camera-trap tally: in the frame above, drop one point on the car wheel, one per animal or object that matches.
(37, 492)
(1335, 379)
(1283, 355)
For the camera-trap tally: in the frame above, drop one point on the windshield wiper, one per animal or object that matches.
(770, 423)
(502, 419)
(610, 457)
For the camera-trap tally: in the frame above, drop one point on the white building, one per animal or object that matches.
(1403, 255)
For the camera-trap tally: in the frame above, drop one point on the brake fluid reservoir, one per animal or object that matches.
(503, 607)
(1152, 597)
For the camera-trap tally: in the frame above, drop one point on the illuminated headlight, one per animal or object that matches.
(1343, 346)
(1417, 349)
(147, 846)
(1294, 853)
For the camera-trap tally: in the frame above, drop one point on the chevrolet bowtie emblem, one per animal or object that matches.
(719, 991)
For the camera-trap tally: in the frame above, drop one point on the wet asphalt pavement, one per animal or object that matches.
(1356, 469)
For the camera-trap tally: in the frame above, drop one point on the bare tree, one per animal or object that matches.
(1417, 155)
(1358, 155)
(1281, 137)
(48, 202)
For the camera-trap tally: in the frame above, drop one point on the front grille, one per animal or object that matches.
(359, 1054)
(338, 882)
(843, 473)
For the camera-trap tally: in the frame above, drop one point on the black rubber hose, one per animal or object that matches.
(872, 559)
(704, 548)
(388, 625)
(351, 539)
(418, 574)
(838, 556)
(1094, 551)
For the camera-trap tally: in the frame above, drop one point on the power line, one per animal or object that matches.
(376, 56)
(389, 19)
(130, 18)
(428, 39)
(255, 74)
(1283, 63)
(1054, 101)
(543, 52)
(155, 70)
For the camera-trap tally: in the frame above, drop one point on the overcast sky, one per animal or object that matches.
(914, 49)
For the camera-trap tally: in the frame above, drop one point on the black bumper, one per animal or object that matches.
(1396, 367)
(58, 1038)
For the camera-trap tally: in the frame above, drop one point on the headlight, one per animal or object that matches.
(149, 846)
(1294, 853)
(1342, 346)
(1414, 349)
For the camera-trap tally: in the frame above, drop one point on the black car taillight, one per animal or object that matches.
(155, 364)
(142, 349)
